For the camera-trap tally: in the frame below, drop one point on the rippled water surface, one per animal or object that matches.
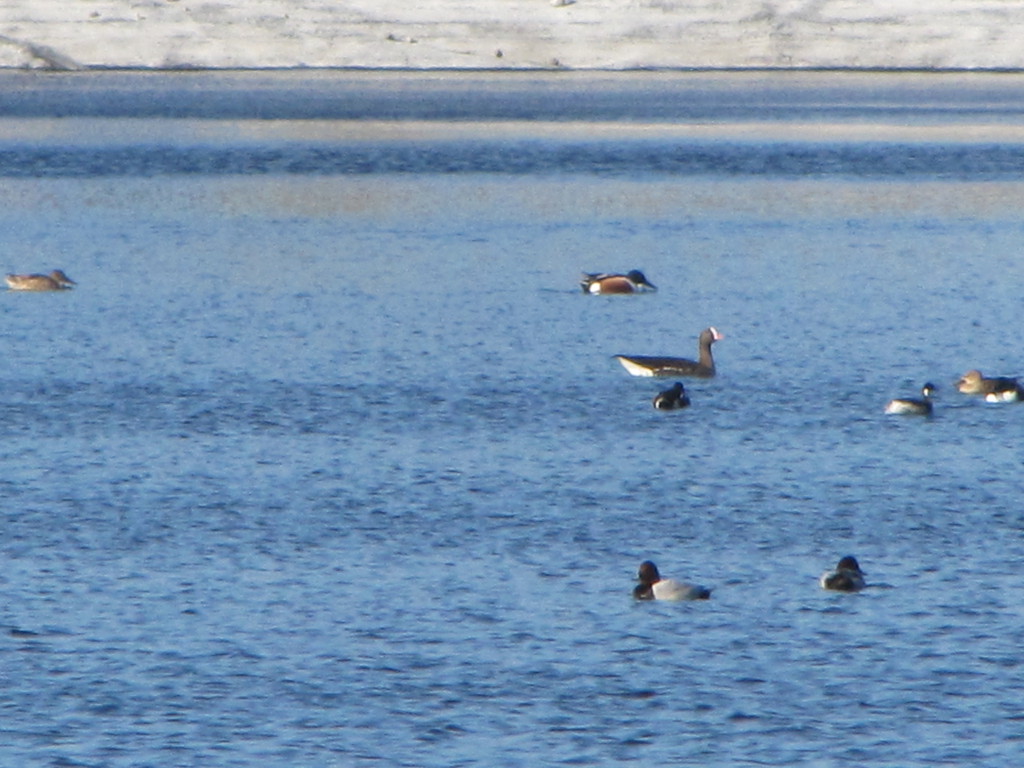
(326, 459)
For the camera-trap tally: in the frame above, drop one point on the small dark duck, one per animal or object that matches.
(912, 406)
(846, 577)
(672, 399)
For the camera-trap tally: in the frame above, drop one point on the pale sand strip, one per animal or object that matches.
(513, 34)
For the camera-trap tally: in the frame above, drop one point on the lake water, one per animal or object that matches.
(326, 460)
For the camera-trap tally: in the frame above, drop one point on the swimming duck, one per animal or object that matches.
(999, 389)
(847, 576)
(55, 281)
(653, 587)
(631, 282)
(703, 367)
(913, 406)
(672, 398)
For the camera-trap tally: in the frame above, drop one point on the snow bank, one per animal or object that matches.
(512, 34)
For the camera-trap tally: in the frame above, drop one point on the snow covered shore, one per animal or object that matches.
(512, 34)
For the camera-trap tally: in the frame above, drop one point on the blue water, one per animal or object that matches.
(329, 463)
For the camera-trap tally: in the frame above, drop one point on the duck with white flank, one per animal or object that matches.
(653, 587)
(55, 281)
(846, 577)
(703, 367)
(672, 398)
(912, 406)
(603, 282)
(999, 389)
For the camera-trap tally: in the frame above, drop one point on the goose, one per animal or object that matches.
(703, 367)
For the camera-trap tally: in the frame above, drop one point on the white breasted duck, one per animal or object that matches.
(653, 587)
(846, 577)
(913, 406)
(633, 281)
(998, 389)
(703, 367)
(672, 398)
(55, 281)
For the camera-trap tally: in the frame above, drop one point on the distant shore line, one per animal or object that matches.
(514, 70)
(99, 69)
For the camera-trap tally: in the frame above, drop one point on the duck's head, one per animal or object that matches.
(59, 276)
(640, 279)
(648, 573)
(970, 382)
(849, 563)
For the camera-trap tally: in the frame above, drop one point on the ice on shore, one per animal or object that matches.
(512, 34)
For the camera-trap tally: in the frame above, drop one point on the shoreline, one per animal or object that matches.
(512, 71)
(531, 35)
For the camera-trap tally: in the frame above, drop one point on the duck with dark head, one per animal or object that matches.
(653, 587)
(672, 399)
(845, 577)
(633, 281)
(913, 406)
